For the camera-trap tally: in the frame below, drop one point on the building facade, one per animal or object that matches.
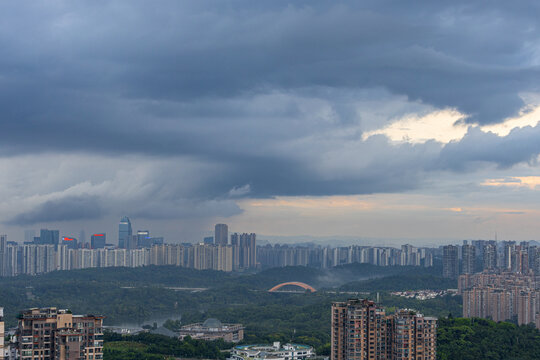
(2, 334)
(272, 352)
(362, 331)
(406, 328)
(242, 254)
(221, 234)
(468, 253)
(98, 241)
(450, 261)
(49, 333)
(501, 296)
(125, 231)
(213, 329)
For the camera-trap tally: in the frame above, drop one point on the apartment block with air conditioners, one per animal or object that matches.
(362, 331)
(53, 334)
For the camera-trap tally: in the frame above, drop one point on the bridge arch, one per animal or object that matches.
(296, 283)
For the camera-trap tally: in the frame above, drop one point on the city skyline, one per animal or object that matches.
(371, 120)
(141, 225)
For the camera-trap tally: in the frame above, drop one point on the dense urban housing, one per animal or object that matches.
(51, 333)
(362, 331)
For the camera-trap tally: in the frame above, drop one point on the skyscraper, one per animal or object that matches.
(143, 238)
(48, 237)
(450, 261)
(70, 242)
(221, 234)
(132, 242)
(124, 232)
(82, 237)
(29, 235)
(98, 241)
(468, 253)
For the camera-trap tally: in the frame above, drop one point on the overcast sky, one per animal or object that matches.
(381, 120)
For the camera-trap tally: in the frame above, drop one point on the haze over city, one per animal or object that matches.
(304, 120)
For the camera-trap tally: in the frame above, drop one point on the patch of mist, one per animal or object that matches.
(333, 279)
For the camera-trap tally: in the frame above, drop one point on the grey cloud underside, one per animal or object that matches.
(69, 208)
(233, 84)
(521, 145)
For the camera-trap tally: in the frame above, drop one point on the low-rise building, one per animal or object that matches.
(273, 352)
(213, 329)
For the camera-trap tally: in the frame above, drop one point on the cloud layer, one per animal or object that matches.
(179, 109)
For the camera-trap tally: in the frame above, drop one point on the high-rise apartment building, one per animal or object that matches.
(3, 256)
(124, 232)
(468, 253)
(501, 297)
(49, 333)
(412, 336)
(520, 260)
(244, 250)
(243, 253)
(358, 331)
(489, 261)
(221, 234)
(450, 261)
(362, 331)
(509, 248)
(2, 334)
(247, 254)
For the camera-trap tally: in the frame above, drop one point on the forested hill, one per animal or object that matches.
(458, 339)
(480, 339)
(178, 276)
(140, 294)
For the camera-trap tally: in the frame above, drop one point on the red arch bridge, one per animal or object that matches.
(295, 283)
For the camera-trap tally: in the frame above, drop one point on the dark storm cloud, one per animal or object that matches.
(477, 147)
(64, 209)
(234, 84)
